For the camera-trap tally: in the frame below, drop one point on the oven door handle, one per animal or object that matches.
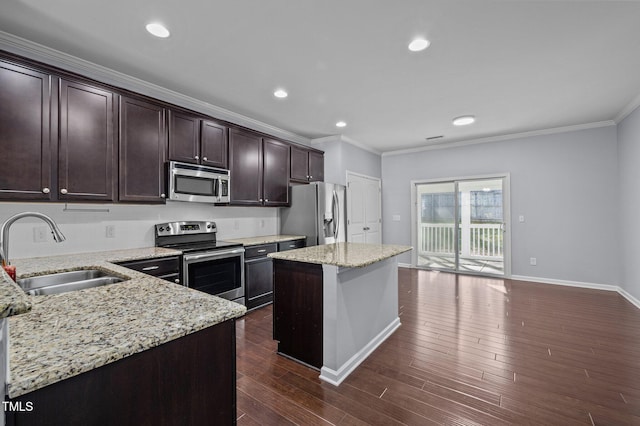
(213, 254)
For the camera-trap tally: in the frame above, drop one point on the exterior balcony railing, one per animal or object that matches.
(476, 240)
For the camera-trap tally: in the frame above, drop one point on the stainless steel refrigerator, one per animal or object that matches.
(318, 211)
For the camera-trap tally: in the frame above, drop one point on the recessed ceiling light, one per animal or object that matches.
(419, 44)
(464, 120)
(158, 30)
(280, 93)
(341, 124)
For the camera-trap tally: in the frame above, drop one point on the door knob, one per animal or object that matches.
(63, 191)
(46, 190)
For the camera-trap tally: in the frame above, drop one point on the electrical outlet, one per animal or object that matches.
(236, 224)
(396, 218)
(533, 261)
(110, 231)
(521, 218)
(261, 223)
(39, 234)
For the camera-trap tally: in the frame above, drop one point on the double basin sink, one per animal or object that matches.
(67, 281)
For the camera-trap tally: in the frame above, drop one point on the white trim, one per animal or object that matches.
(336, 377)
(628, 109)
(445, 145)
(344, 139)
(38, 52)
(567, 283)
(624, 293)
(578, 284)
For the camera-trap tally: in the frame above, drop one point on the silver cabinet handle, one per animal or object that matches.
(260, 200)
(163, 195)
(310, 177)
(46, 190)
(204, 158)
(151, 268)
(63, 191)
(266, 200)
(292, 245)
(196, 157)
(262, 251)
(177, 281)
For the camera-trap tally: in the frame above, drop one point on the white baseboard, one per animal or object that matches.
(566, 283)
(606, 287)
(624, 293)
(336, 377)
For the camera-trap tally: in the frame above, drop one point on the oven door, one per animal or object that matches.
(217, 272)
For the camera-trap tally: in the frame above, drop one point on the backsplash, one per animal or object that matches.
(132, 225)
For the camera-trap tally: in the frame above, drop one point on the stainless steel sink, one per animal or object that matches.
(66, 281)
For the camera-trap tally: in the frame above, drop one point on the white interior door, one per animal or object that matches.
(363, 209)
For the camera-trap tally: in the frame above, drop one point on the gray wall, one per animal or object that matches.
(340, 156)
(564, 184)
(629, 175)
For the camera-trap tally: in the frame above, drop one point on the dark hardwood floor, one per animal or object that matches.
(470, 351)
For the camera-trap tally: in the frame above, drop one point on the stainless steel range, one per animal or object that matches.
(208, 265)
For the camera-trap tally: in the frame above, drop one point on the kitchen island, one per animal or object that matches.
(334, 304)
(142, 351)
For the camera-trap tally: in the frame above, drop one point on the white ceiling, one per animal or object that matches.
(518, 66)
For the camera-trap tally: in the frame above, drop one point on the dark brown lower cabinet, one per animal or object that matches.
(297, 310)
(188, 381)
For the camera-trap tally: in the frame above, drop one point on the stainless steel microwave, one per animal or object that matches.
(201, 184)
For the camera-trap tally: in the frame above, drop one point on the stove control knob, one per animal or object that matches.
(168, 229)
(209, 226)
(161, 229)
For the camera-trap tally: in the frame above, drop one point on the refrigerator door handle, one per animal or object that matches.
(336, 215)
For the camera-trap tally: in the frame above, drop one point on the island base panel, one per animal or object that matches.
(188, 381)
(297, 311)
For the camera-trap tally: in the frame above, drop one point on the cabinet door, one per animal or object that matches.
(299, 164)
(184, 137)
(86, 153)
(25, 173)
(143, 146)
(258, 279)
(276, 173)
(316, 166)
(214, 142)
(245, 162)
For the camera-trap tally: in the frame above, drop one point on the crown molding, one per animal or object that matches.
(344, 139)
(41, 53)
(631, 106)
(543, 132)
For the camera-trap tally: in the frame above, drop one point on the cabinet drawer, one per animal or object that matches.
(156, 267)
(261, 250)
(291, 245)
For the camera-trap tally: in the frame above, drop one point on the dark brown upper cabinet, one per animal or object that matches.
(86, 151)
(25, 133)
(197, 141)
(143, 151)
(306, 165)
(275, 182)
(214, 144)
(259, 170)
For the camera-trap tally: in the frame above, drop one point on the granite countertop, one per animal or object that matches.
(266, 239)
(70, 333)
(348, 255)
(13, 301)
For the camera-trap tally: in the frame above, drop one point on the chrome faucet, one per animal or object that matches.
(4, 232)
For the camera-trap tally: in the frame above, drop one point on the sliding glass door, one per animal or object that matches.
(460, 225)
